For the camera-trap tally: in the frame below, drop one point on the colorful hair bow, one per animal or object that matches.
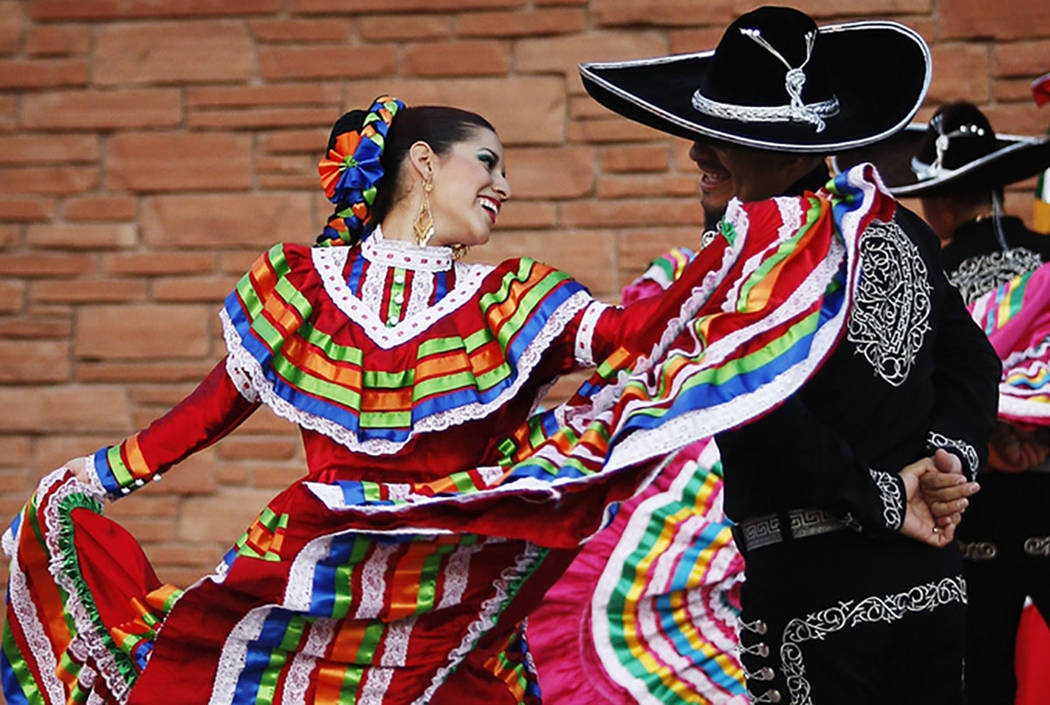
(352, 169)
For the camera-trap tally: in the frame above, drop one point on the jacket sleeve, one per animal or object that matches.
(211, 411)
(966, 379)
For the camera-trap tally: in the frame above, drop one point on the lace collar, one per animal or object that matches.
(405, 255)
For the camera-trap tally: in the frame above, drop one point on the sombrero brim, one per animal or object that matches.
(880, 74)
(1015, 158)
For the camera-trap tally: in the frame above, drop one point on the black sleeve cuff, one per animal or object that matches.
(893, 496)
(966, 453)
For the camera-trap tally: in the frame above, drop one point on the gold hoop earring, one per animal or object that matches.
(459, 251)
(424, 223)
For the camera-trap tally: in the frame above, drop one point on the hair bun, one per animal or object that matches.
(351, 121)
(351, 170)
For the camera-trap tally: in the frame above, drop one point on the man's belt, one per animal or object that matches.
(768, 530)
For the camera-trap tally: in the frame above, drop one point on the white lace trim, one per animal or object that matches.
(939, 440)
(491, 474)
(91, 641)
(892, 499)
(406, 255)
(1011, 406)
(1035, 353)
(1012, 400)
(298, 593)
(457, 574)
(298, 596)
(94, 698)
(439, 421)
(422, 289)
(334, 499)
(88, 466)
(791, 217)
(26, 615)
(329, 263)
(376, 682)
(372, 288)
(9, 544)
(373, 581)
(321, 633)
(241, 380)
(585, 333)
(486, 618)
(399, 491)
(395, 644)
(849, 614)
(235, 653)
(791, 214)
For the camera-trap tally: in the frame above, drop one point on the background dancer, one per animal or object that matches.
(959, 167)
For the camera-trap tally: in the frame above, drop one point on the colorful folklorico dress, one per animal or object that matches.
(435, 511)
(648, 611)
(1016, 318)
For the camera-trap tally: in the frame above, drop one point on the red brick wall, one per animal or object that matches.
(149, 149)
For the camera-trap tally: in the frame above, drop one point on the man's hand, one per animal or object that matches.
(920, 522)
(946, 490)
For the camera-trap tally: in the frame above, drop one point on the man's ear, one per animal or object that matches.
(423, 159)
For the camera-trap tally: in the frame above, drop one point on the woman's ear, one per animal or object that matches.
(423, 158)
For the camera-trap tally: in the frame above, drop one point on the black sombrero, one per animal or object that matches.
(777, 81)
(957, 151)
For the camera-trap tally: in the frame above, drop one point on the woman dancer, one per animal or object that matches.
(434, 512)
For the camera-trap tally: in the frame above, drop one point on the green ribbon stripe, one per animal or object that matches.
(785, 249)
(365, 655)
(20, 667)
(526, 307)
(717, 376)
(1017, 297)
(120, 471)
(344, 575)
(429, 575)
(617, 606)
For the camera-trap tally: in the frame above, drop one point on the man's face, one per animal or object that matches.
(715, 191)
(748, 174)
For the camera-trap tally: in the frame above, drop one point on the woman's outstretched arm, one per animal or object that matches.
(211, 411)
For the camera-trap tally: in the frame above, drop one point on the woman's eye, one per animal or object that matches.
(488, 160)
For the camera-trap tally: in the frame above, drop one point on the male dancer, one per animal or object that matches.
(825, 487)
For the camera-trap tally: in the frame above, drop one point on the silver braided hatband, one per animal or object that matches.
(794, 82)
(928, 171)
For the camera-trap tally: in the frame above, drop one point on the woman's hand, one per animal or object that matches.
(78, 467)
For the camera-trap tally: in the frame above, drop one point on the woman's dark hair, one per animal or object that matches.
(439, 126)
